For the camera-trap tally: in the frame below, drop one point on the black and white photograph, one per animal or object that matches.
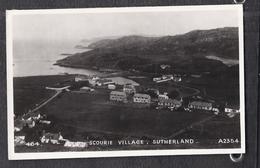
(127, 81)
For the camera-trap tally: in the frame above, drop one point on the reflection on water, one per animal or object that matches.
(35, 58)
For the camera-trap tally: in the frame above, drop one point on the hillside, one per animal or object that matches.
(142, 53)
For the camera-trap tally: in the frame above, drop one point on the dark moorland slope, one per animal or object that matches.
(143, 53)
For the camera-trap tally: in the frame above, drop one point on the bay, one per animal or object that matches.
(37, 58)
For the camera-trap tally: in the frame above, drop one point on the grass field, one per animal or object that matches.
(29, 91)
(81, 116)
(88, 112)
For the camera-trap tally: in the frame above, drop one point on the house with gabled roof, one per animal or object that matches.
(200, 105)
(129, 88)
(53, 138)
(141, 98)
(169, 103)
(118, 96)
(231, 109)
(32, 116)
(79, 78)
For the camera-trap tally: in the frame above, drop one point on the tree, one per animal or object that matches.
(152, 94)
(31, 134)
(174, 94)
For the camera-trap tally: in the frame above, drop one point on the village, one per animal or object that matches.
(126, 94)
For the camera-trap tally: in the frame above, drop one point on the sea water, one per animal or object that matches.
(37, 58)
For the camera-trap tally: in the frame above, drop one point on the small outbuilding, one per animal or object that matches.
(231, 109)
(86, 89)
(111, 86)
(53, 138)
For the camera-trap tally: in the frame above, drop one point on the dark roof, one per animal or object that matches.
(200, 103)
(142, 95)
(232, 107)
(103, 80)
(152, 89)
(118, 93)
(129, 86)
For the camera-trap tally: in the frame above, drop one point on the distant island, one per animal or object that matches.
(184, 53)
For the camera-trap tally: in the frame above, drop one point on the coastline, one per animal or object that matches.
(85, 67)
(102, 72)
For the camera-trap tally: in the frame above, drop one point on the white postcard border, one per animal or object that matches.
(124, 153)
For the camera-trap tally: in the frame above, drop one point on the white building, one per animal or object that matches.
(163, 96)
(45, 122)
(215, 110)
(111, 86)
(170, 103)
(165, 78)
(157, 79)
(18, 125)
(75, 144)
(230, 109)
(176, 79)
(30, 123)
(79, 78)
(95, 78)
(141, 98)
(32, 116)
(118, 96)
(86, 89)
(51, 138)
(200, 105)
(164, 66)
(17, 129)
(19, 140)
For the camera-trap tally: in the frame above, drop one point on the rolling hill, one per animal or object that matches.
(185, 52)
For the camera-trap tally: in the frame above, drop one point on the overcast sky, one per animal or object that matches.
(92, 25)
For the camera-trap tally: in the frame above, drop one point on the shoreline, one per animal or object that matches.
(74, 66)
(99, 69)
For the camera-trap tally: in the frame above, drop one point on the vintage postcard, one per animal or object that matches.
(114, 82)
